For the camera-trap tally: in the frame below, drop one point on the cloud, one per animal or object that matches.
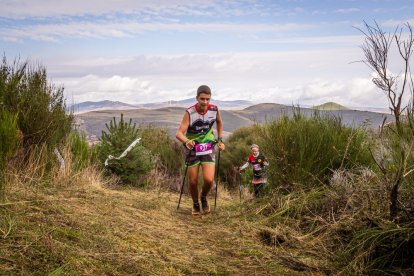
(349, 10)
(155, 8)
(103, 29)
(231, 77)
(116, 88)
(393, 23)
(321, 40)
(51, 8)
(356, 92)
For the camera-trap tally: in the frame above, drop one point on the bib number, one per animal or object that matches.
(257, 167)
(204, 148)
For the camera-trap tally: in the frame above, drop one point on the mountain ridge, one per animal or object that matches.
(117, 105)
(93, 122)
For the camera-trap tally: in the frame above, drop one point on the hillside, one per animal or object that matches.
(170, 117)
(330, 106)
(101, 105)
(116, 105)
(82, 228)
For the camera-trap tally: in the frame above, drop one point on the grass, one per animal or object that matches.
(75, 222)
(81, 227)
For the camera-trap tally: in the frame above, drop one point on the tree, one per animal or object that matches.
(377, 50)
(133, 168)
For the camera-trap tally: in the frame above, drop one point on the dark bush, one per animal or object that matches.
(41, 109)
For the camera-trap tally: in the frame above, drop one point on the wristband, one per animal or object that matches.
(187, 142)
(220, 139)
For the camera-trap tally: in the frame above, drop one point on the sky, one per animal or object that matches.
(294, 52)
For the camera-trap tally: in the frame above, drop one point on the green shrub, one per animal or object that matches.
(80, 150)
(134, 167)
(8, 134)
(40, 106)
(304, 151)
(168, 152)
(395, 152)
(9, 142)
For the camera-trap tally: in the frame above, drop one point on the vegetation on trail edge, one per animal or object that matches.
(78, 227)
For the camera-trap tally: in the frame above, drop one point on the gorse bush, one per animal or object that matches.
(42, 117)
(134, 167)
(8, 135)
(8, 143)
(167, 151)
(80, 150)
(302, 151)
(305, 151)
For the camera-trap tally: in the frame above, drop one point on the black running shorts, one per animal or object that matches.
(194, 160)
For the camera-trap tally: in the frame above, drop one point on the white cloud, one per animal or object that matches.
(353, 93)
(157, 8)
(320, 40)
(349, 10)
(51, 8)
(318, 89)
(111, 29)
(393, 23)
(116, 88)
(291, 77)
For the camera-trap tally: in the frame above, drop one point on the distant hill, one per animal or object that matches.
(170, 117)
(329, 106)
(115, 105)
(238, 104)
(100, 105)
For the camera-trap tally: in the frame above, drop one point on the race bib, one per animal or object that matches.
(257, 167)
(204, 148)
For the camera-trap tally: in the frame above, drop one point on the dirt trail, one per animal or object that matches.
(125, 231)
(173, 241)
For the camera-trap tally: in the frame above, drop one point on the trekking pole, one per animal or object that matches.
(185, 174)
(240, 186)
(217, 176)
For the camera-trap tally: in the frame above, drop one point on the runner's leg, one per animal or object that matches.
(193, 182)
(258, 188)
(208, 176)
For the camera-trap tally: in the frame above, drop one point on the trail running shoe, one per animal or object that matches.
(204, 205)
(196, 209)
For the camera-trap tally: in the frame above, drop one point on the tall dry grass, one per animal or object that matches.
(73, 221)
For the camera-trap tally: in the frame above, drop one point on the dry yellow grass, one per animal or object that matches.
(78, 226)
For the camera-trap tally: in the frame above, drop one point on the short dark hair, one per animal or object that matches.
(203, 89)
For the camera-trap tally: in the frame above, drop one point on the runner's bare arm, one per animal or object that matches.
(180, 134)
